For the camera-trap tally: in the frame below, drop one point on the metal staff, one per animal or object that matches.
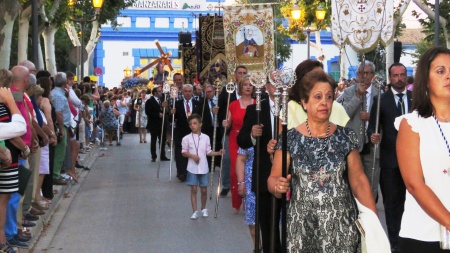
(287, 80)
(258, 80)
(275, 80)
(173, 96)
(378, 83)
(230, 89)
(166, 90)
(218, 86)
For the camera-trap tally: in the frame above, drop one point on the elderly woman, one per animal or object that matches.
(424, 155)
(235, 120)
(296, 114)
(322, 212)
(109, 121)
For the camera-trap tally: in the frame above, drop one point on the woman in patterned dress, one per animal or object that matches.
(141, 117)
(325, 170)
(244, 168)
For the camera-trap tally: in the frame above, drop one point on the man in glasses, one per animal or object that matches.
(357, 101)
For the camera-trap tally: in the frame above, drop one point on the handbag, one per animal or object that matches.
(24, 176)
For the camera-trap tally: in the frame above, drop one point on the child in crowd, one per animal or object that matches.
(196, 146)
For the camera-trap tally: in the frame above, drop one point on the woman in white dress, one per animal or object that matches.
(141, 117)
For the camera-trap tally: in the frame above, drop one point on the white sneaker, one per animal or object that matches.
(205, 213)
(194, 216)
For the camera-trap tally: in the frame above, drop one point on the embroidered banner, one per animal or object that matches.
(362, 23)
(248, 37)
(212, 49)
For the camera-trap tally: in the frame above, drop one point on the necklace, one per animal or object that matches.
(319, 135)
(320, 146)
(196, 145)
(446, 171)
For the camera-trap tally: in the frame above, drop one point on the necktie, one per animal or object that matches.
(400, 104)
(211, 104)
(188, 108)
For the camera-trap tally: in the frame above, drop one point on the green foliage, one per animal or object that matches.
(429, 24)
(282, 46)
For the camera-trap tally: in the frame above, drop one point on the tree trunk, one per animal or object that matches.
(49, 45)
(93, 39)
(390, 47)
(24, 28)
(8, 13)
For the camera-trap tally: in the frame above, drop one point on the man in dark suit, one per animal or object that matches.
(183, 109)
(246, 139)
(154, 111)
(395, 102)
(209, 110)
(239, 72)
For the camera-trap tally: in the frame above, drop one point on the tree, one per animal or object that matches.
(428, 22)
(8, 13)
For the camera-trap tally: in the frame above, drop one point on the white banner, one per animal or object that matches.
(362, 23)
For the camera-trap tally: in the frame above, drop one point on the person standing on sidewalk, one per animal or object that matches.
(195, 147)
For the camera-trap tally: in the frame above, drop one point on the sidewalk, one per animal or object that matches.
(61, 192)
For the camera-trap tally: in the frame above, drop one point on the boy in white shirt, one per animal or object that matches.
(196, 146)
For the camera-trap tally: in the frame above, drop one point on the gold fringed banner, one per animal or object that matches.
(248, 36)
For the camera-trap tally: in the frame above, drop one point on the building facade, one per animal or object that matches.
(132, 44)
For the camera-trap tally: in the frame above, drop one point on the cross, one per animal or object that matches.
(163, 58)
(361, 8)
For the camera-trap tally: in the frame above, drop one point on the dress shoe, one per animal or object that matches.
(153, 160)
(40, 206)
(30, 217)
(165, 159)
(28, 224)
(224, 193)
(15, 243)
(23, 234)
(77, 165)
(22, 239)
(35, 211)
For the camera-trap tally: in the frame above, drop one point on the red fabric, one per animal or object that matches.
(237, 119)
(73, 110)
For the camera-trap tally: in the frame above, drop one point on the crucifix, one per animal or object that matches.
(163, 59)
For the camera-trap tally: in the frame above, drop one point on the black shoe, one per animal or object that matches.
(30, 217)
(28, 224)
(21, 239)
(59, 181)
(15, 243)
(77, 165)
(165, 159)
(153, 160)
(224, 193)
(86, 168)
(182, 178)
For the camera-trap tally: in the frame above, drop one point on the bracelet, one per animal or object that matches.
(241, 182)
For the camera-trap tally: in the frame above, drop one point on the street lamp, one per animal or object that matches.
(137, 71)
(320, 16)
(127, 72)
(97, 4)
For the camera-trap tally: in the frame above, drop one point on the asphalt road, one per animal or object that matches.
(121, 206)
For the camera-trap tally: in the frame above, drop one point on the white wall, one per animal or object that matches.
(115, 62)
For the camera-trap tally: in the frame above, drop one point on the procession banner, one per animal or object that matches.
(362, 23)
(212, 48)
(248, 36)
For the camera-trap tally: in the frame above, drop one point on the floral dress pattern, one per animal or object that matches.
(321, 213)
(250, 197)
